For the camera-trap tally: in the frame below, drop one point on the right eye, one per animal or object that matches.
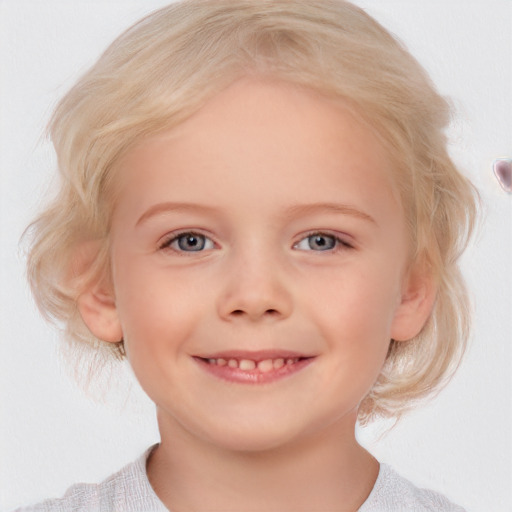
(188, 242)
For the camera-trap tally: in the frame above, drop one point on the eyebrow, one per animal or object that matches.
(171, 207)
(293, 211)
(305, 209)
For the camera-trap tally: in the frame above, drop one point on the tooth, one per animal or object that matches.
(233, 363)
(222, 362)
(266, 365)
(212, 361)
(247, 364)
(278, 363)
(290, 361)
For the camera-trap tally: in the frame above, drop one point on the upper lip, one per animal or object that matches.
(258, 355)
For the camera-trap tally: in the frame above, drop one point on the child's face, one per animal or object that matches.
(264, 228)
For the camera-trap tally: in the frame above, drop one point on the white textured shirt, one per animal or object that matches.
(129, 490)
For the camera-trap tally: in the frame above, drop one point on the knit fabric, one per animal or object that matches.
(392, 493)
(129, 490)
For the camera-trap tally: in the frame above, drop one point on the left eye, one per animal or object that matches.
(189, 242)
(319, 242)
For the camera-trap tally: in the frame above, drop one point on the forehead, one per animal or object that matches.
(268, 142)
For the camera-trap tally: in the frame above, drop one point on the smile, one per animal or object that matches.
(253, 369)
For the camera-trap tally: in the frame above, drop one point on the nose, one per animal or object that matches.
(255, 290)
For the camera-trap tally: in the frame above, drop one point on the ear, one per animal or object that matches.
(418, 295)
(98, 311)
(96, 300)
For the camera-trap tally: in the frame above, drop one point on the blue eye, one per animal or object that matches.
(189, 242)
(319, 242)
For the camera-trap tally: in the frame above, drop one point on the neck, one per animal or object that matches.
(329, 471)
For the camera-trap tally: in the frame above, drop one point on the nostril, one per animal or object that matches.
(241, 312)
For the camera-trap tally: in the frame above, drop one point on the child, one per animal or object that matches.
(258, 210)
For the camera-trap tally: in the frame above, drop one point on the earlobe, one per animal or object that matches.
(416, 305)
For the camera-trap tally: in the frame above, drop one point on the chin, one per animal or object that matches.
(254, 438)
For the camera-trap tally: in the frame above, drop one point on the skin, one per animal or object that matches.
(255, 169)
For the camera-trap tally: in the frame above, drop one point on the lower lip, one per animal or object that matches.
(253, 376)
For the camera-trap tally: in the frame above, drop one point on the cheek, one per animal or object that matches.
(355, 316)
(357, 330)
(353, 299)
(156, 308)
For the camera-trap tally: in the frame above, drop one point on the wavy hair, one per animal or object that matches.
(165, 67)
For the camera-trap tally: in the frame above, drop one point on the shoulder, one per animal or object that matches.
(392, 493)
(128, 490)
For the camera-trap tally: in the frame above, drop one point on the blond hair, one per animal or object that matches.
(165, 67)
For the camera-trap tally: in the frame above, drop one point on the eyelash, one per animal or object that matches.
(339, 243)
(175, 237)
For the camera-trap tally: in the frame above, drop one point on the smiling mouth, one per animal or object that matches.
(255, 369)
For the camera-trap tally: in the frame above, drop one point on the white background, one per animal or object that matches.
(51, 435)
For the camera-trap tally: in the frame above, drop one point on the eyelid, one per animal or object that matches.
(341, 240)
(169, 238)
